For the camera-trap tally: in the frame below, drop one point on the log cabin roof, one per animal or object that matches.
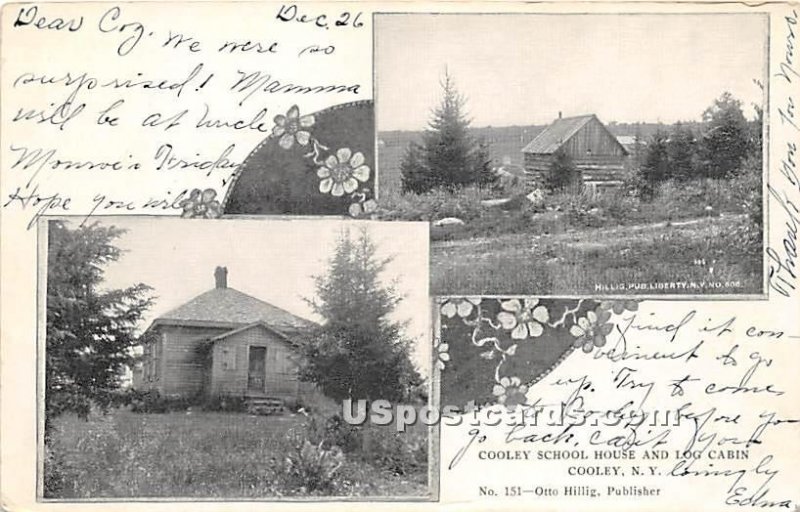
(228, 307)
(554, 136)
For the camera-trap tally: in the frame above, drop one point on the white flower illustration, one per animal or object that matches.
(342, 172)
(523, 319)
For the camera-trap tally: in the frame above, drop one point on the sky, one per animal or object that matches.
(524, 69)
(273, 260)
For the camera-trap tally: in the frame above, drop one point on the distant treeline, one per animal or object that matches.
(506, 142)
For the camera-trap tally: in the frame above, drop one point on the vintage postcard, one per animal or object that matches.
(399, 256)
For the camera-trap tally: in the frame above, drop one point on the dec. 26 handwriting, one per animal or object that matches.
(128, 33)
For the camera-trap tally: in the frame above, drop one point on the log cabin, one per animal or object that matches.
(596, 153)
(225, 343)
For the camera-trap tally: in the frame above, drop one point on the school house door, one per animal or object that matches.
(257, 369)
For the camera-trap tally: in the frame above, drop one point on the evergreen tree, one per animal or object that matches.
(449, 156)
(414, 175)
(562, 173)
(358, 352)
(681, 154)
(655, 168)
(90, 333)
(726, 139)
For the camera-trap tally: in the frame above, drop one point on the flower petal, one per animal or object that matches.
(188, 204)
(443, 347)
(514, 381)
(440, 365)
(278, 130)
(214, 210)
(444, 356)
(293, 112)
(280, 120)
(576, 331)
(505, 382)
(540, 313)
(357, 160)
(591, 316)
(338, 190)
(448, 309)
(535, 329)
(325, 185)
(303, 137)
(208, 195)
(307, 121)
(464, 308)
(498, 390)
(588, 347)
(531, 303)
(350, 185)
(584, 323)
(520, 332)
(331, 162)
(287, 141)
(354, 210)
(370, 205)
(323, 172)
(343, 154)
(361, 173)
(507, 320)
(599, 340)
(511, 305)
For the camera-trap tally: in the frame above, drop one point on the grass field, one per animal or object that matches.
(601, 260)
(196, 454)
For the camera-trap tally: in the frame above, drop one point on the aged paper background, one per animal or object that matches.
(112, 49)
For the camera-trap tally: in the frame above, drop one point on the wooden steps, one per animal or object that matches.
(264, 405)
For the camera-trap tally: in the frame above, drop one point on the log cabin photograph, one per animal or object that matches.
(195, 358)
(570, 154)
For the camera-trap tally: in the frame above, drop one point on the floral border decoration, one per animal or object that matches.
(341, 173)
(201, 205)
(522, 320)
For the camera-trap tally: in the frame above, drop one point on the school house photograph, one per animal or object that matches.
(210, 358)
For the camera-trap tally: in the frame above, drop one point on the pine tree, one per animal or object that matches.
(449, 156)
(727, 137)
(90, 333)
(414, 175)
(358, 352)
(681, 154)
(655, 168)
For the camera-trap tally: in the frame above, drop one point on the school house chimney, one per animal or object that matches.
(221, 277)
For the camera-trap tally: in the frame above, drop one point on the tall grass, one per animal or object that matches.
(565, 211)
(576, 263)
(205, 454)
